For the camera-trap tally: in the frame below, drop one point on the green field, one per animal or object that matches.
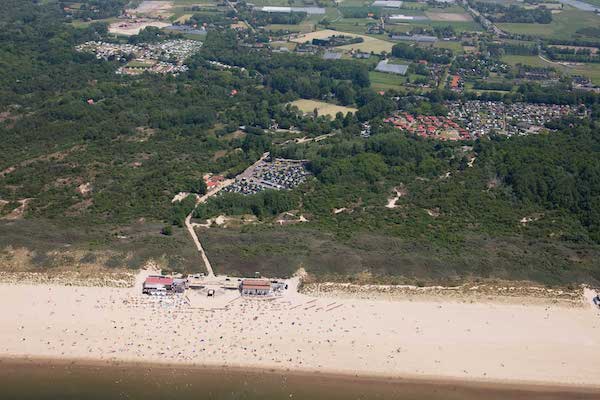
(383, 81)
(456, 47)
(564, 25)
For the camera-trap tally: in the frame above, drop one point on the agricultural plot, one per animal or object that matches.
(564, 25)
(308, 106)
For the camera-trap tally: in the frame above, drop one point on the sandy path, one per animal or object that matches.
(190, 226)
(501, 342)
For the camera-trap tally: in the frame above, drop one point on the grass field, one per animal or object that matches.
(564, 25)
(308, 106)
(383, 81)
(456, 47)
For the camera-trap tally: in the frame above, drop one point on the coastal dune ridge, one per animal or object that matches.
(550, 345)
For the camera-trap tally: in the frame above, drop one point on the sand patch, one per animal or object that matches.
(400, 191)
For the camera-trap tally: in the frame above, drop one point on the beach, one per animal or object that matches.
(510, 343)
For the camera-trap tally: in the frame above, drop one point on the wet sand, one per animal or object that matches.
(56, 379)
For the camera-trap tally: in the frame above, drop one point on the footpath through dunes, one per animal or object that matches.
(436, 338)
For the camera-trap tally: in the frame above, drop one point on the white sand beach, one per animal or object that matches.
(513, 343)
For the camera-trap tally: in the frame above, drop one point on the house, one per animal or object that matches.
(155, 283)
(255, 287)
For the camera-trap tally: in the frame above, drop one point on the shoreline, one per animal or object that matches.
(434, 381)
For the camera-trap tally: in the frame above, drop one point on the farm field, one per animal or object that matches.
(564, 25)
(456, 47)
(370, 44)
(308, 106)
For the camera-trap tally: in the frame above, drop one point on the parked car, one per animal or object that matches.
(211, 292)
